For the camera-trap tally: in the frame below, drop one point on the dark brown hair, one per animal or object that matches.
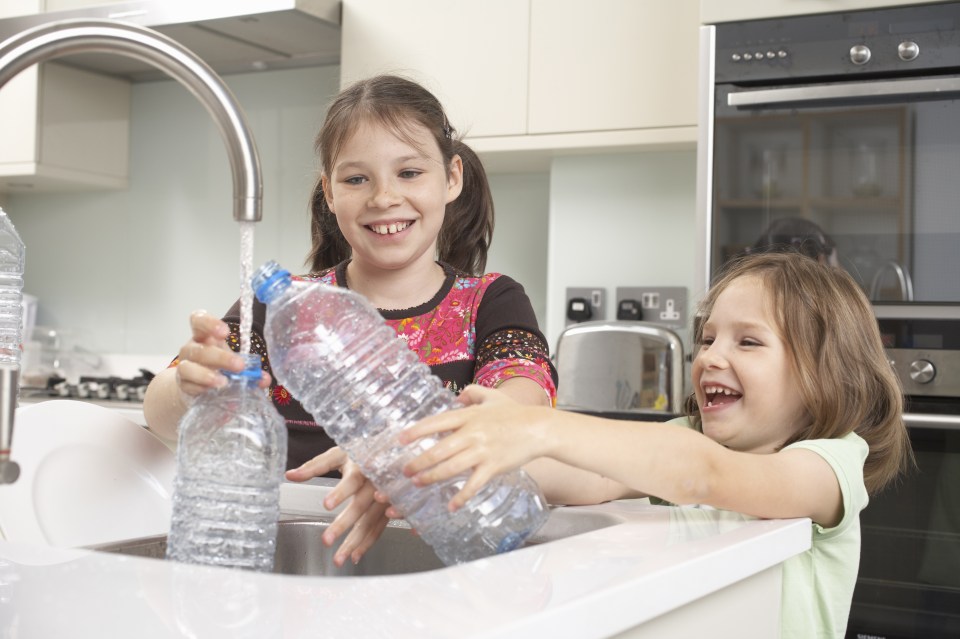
(398, 103)
(828, 326)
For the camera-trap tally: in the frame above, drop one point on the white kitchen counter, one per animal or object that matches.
(665, 571)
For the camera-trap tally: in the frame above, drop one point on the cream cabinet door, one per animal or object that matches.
(613, 65)
(471, 55)
(63, 128)
(713, 11)
(11, 8)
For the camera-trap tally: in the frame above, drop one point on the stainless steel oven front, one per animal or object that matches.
(909, 580)
(848, 121)
(851, 122)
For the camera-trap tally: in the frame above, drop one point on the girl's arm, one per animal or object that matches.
(561, 483)
(671, 462)
(201, 359)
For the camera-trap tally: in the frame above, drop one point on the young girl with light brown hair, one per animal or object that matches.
(796, 412)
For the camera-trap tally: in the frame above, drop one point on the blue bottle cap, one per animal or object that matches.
(269, 280)
(251, 368)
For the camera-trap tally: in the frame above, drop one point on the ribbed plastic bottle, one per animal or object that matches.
(231, 454)
(11, 291)
(332, 350)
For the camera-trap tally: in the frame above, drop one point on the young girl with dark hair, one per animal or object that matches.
(402, 214)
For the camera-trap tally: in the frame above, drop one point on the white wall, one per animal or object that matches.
(124, 269)
(619, 220)
(519, 247)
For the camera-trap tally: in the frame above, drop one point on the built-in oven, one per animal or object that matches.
(848, 121)
(839, 134)
(909, 580)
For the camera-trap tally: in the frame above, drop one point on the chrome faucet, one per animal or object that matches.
(903, 280)
(66, 37)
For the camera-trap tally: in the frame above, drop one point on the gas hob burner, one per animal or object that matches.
(129, 389)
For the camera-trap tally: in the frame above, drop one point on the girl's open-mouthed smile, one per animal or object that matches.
(717, 396)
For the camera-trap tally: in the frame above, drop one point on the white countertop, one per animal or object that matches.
(594, 584)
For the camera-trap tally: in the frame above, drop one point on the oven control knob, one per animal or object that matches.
(908, 50)
(859, 54)
(922, 371)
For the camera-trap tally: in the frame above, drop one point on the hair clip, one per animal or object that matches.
(447, 131)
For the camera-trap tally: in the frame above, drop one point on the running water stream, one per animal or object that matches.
(246, 291)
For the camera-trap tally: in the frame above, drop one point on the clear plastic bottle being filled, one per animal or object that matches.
(231, 453)
(11, 292)
(332, 350)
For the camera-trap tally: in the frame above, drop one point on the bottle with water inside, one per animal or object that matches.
(231, 454)
(332, 350)
(11, 291)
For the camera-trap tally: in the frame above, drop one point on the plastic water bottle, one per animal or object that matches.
(11, 291)
(332, 350)
(231, 454)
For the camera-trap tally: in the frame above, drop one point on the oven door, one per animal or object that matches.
(909, 580)
(874, 163)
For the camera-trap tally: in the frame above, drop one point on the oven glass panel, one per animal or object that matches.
(909, 580)
(881, 180)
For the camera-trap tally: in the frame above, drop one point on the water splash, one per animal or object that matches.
(246, 291)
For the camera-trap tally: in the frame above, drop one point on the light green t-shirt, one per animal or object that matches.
(818, 584)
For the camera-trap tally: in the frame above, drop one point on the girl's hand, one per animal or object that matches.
(364, 514)
(492, 435)
(205, 355)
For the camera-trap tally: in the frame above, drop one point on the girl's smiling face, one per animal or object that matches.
(743, 374)
(390, 194)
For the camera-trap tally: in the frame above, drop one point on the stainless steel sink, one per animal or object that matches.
(398, 551)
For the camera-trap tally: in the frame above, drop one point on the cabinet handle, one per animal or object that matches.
(942, 88)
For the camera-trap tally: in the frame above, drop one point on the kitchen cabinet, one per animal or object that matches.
(11, 8)
(63, 128)
(713, 11)
(525, 80)
(622, 65)
(472, 56)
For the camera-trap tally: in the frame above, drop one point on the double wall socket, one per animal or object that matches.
(663, 305)
(595, 299)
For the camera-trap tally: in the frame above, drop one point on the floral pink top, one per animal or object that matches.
(475, 330)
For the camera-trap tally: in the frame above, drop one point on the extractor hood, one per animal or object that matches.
(232, 36)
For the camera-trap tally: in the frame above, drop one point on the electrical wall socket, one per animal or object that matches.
(663, 305)
(596, 300)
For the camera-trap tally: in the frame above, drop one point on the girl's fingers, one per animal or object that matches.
(365, 534)
(320, 465)
(205, 326)
(350, 485)
(368, 522)
(439, 452)
(394, 513)
(194, 378)
(432, 425)
(478, 479)
(350, 515)
(454, 465)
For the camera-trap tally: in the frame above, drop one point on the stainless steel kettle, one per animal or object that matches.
(620, 367)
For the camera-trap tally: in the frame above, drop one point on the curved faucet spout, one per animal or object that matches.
(67, 37)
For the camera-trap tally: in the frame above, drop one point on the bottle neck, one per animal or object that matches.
(251, 373)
